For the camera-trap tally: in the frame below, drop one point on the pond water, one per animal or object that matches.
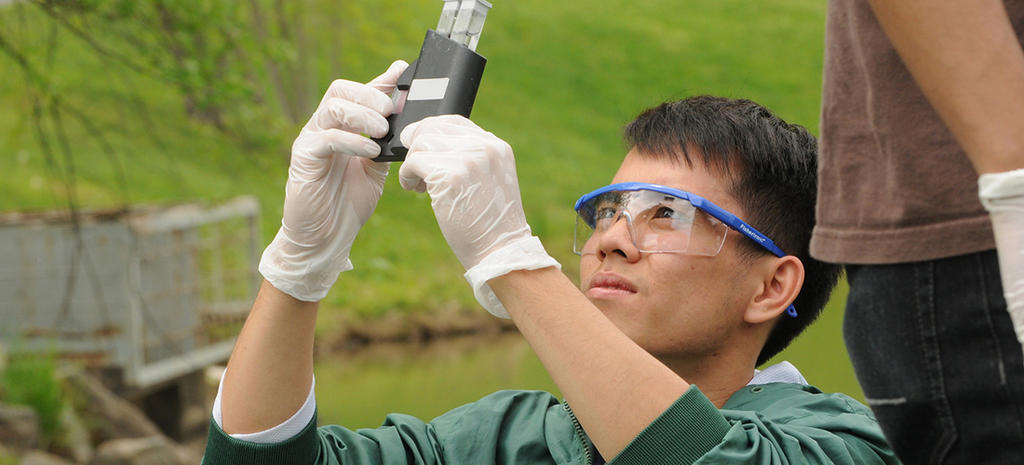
(358, 389)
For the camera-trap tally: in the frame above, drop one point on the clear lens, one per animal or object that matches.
(656, 223)
(581, 239)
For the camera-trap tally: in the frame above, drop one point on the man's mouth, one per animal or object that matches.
(610, 285)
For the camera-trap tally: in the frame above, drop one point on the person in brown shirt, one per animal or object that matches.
(919, 97)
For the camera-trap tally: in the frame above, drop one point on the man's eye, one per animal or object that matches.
(604, 213)
(665, 212)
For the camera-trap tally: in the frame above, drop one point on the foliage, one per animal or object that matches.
(29, 380)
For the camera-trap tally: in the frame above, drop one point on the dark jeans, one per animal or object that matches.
(935, 352)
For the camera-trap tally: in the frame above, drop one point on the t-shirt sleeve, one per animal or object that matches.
(810, 431)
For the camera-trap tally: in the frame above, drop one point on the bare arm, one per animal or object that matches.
(594, 364)
(969, 63)
(271, 367)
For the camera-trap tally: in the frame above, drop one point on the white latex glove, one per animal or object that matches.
(333, 187)
(470, 175)
(1002, 194)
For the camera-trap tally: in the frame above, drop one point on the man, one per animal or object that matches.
(920, 97)
(682, 286)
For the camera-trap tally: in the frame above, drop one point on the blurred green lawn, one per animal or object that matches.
(562, 79)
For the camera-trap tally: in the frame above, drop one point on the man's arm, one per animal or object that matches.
(332, 189)
(968, 61)
(615, 387)
(271, 368)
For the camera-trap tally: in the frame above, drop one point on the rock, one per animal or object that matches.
(76, 443)
(154, 450)
(42, 458)
(109, 416)
(188, 455)
(19, 427)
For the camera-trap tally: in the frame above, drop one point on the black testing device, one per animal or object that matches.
(444, 78)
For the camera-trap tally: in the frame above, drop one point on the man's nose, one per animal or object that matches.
(617, 239)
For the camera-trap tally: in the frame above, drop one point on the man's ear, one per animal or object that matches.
(782, 279)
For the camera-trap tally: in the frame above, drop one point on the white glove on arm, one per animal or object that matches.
(333, 187)
(470, 175)
(1002, 194)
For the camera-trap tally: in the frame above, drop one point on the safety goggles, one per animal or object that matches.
(660, 219)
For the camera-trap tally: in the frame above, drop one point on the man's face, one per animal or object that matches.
(669, 303)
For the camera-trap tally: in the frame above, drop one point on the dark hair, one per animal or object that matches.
(772, 166)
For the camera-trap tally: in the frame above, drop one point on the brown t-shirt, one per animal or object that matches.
(894, 186)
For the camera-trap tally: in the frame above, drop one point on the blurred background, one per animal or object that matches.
(169, 124)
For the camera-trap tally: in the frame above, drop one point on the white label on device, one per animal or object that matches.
(427, 89)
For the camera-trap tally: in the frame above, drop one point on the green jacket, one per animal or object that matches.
(774, 423)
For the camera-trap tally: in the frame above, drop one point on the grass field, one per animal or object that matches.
(562, 79)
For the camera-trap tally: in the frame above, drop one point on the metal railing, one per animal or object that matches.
(151, 293)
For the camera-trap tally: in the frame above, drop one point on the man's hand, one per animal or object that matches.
(333, 187)
(470, 175)
(1002, 194)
